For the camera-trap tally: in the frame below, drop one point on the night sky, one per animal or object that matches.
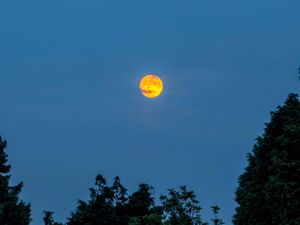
(71, 107)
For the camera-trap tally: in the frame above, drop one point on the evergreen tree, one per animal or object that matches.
(269, 189)
(12, 210)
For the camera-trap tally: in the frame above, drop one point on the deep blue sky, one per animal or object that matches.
(71, 108)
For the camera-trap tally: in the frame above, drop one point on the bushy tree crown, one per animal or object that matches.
(269, 189)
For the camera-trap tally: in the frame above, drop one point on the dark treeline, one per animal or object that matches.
(110, 205)
(268, 191)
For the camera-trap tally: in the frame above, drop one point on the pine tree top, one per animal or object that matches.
(4, 167)
(12, 210)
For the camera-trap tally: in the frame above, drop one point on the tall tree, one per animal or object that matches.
(12, 210)
(269, 189)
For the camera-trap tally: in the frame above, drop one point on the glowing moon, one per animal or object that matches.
(151, 86)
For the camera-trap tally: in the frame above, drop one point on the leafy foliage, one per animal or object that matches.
(216, 221)
(48, 219)
(269, 189)
(99, 210)
(181, 207)
(12, 210)
(112, 205)
(140, 202)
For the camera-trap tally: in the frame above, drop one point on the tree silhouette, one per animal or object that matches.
(216, 221)
(141, 201)
(269, 189)
(48, 219)
(99, 210)
(119, 202)
(12, 210)
(111, 206)
(181, 207)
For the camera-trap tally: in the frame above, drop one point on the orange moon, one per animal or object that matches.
(151, 86)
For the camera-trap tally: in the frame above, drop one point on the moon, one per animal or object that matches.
(151, 86)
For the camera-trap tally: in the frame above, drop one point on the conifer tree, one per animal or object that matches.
(269, 189)
(12, 210)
